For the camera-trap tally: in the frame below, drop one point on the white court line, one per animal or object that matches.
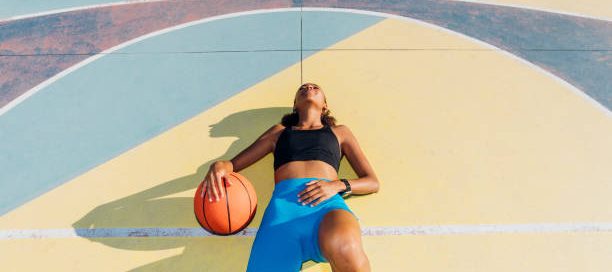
(69, 70)
(368, 231)
(536, 9)
(86, 61)
(573, 88)
(55, 11)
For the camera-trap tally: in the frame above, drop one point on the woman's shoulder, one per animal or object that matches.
(340, 128)
(340, 131)
(343, 131)
(273, 131)
(278, 128)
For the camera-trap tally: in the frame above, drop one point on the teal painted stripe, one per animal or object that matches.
(320, 27)
(122, 100)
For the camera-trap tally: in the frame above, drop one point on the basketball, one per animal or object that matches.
(233, 212)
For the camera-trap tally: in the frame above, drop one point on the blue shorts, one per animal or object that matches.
(288, 234)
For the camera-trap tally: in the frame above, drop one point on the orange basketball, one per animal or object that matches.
(231, 213)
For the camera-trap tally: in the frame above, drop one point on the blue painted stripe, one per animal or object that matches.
(316, 27)
(122, 100)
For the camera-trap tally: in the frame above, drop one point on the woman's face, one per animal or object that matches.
(309, 93)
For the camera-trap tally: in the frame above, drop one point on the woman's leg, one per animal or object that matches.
(340, 242)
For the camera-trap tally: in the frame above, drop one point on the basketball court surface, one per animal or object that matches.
(488, 123)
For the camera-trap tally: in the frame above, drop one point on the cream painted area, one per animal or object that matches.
(591, 8)
(126, 254)
(465, 137)
(558, 252)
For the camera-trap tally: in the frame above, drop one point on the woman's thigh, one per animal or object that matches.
(338, 227)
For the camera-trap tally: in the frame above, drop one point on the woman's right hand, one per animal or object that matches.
(213, 181)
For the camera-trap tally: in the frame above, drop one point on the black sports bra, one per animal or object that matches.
(302, 145)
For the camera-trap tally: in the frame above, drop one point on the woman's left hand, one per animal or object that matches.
(317, 191)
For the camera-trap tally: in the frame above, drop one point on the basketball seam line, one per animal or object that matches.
(204, 211)
(248, 195)
(229, 218)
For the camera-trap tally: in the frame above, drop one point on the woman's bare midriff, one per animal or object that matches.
(305, 169)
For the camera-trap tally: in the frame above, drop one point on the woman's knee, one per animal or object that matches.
(339, 232)
(346, 252)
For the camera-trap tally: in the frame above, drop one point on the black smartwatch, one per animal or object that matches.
(346, 191)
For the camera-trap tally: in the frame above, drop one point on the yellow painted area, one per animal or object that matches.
(455, 137)
(465, 137)
(492, 252)
(126, 254)
(592, 8)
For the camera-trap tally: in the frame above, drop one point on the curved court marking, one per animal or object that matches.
(49, 81)
(535, 8)
(368, 231)
(376, 231)
(73, 68)
(347, 11)
(55, 164)
(55, 11)
(484, 44)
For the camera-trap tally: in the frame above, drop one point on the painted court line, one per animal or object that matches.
(305, 49)
(91, 59)
(368, 231)
(69, 70)
(484, 44)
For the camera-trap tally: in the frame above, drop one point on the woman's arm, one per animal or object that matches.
(214, 178)
(367, 182)
(257, 150)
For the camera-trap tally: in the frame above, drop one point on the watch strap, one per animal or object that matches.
(346, 191)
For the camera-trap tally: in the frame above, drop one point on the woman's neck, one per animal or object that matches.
(309, 118)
